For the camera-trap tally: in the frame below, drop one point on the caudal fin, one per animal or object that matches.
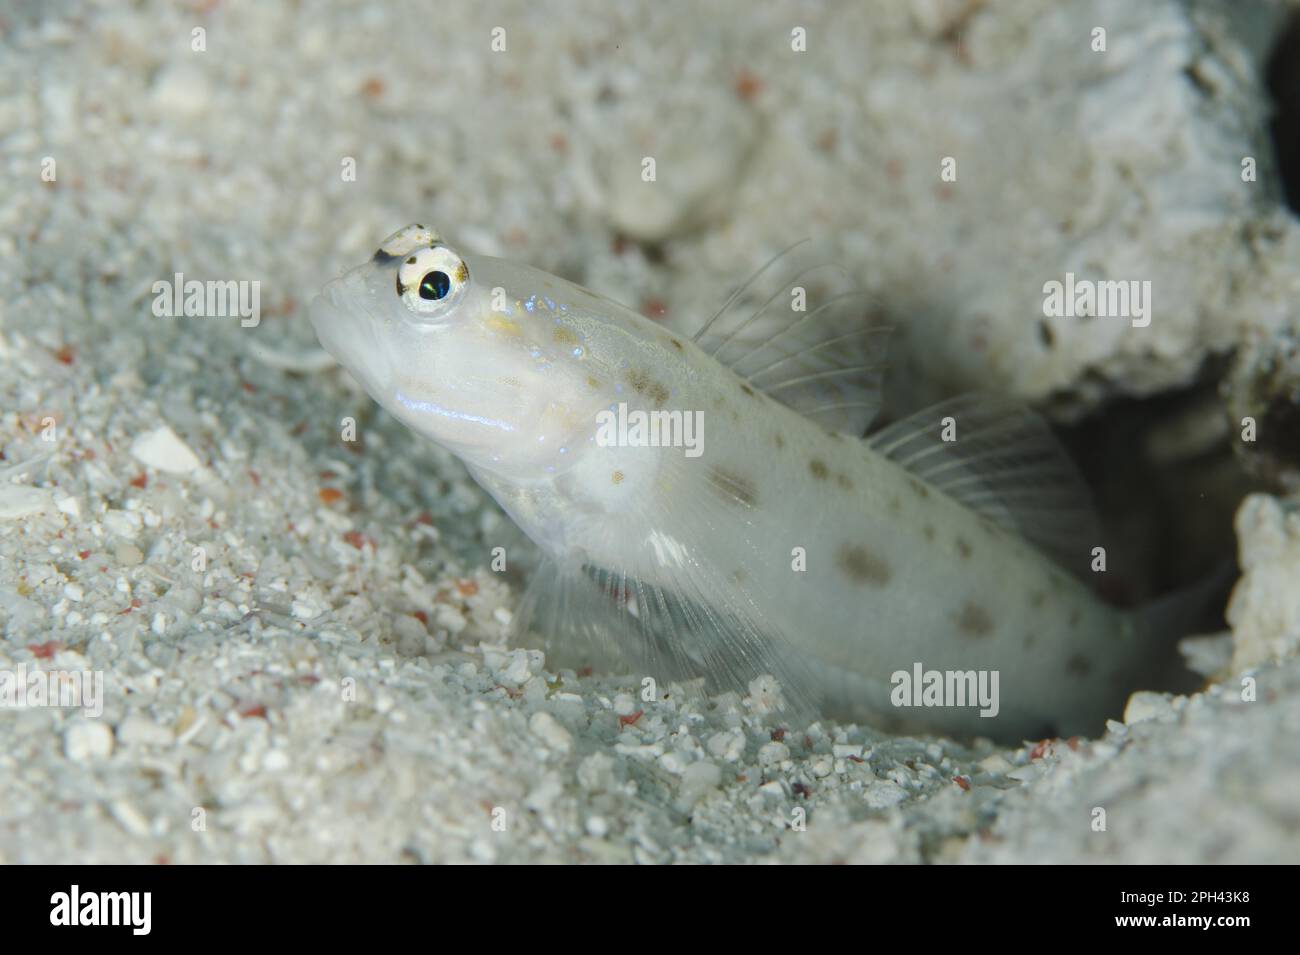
(1168, 619)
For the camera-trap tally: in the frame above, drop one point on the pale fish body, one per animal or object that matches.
(788, 546)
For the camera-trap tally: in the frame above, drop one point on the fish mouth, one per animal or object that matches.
(329, 319)
(346, 330)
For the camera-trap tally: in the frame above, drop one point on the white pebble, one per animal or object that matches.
(674, 762)
(275, 760)
(122, 523)
(548, 729)
(517, 672)
(161, 449)
(765, 695)
(597, 773)
(996, 763)
(698, 780)
(16, 500)
(773, 753)
(182, 90)
(128, 817)
(87, 739)
(140, 730)
(544, 793)
(185, 599)
(305, 608)
(449, 618)
(883, 794)
(1145, 705)
(728, 746)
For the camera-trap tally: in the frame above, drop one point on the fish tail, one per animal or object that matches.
(1165, 621)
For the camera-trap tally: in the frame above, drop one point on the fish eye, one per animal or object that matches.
(430, 280)
(435, 285)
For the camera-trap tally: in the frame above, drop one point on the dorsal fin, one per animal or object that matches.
(1003, 463)
(798, 330)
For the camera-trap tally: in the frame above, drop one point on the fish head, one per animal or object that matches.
(454, 347)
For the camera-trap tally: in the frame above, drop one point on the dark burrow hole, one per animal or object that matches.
(1166, 505)
(1283, 80)
(1166, 495)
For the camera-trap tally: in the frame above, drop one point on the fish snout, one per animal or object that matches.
(329, 319)
(346, 329)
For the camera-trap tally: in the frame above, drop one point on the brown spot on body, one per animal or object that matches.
(778, 441)
(844, 481)
(895, 505)
(1078, 665)
(645, 385)
(963, 548)
(921, 490)
(748, 390)
(617, 477)
(462, 272)
(974, 620)
(1037, 598)
(676, 344)
(592, 382)
(929, 532)
(818, 468)
(863, 567)
(732, 486)
(564, 336)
